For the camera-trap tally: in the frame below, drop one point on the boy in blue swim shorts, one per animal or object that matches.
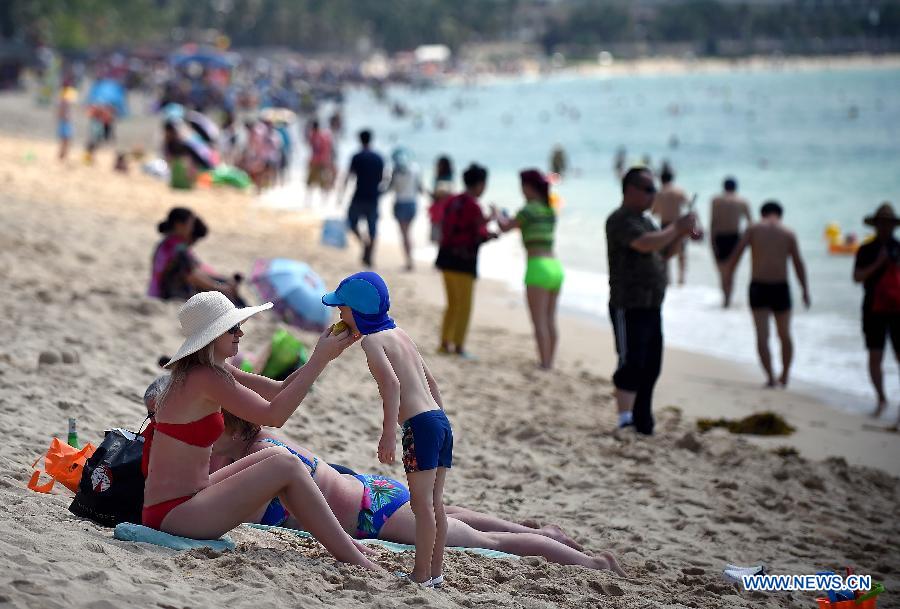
(409, 395)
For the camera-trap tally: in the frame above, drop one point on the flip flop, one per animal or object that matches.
(438, 581)
(735, 573)
(425, 584)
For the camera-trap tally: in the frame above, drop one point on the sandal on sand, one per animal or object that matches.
(734, 573)
(425, 584)
(438, 581)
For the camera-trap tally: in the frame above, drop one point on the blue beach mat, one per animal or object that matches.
(126, 531)
(390, 545)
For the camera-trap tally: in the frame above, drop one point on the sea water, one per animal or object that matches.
(825, 143)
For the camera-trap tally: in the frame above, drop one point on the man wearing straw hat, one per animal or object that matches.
(878, 269)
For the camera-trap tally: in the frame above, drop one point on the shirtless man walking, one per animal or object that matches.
(668, 205)
(725, 229)
(772, 244)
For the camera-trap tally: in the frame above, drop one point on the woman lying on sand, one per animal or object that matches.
(180, 495)
(370, 506)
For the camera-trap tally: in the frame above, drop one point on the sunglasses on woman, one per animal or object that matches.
(234, 329)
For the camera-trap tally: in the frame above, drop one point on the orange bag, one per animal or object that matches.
(62, 463)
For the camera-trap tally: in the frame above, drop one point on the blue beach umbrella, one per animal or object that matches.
(295, 289)
(208, 58)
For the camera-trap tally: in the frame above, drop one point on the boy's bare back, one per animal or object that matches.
(393, 351)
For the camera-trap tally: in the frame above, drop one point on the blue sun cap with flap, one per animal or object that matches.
(367, 296)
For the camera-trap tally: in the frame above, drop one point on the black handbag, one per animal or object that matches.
(112, 485)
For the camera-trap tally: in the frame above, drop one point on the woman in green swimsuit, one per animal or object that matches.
(544, 273)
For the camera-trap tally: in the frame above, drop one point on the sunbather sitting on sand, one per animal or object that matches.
(354, 499)
(180, 495)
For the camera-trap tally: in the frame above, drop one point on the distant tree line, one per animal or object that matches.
(340, 25)
(589, 25)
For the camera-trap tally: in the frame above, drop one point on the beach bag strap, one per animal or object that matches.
(42, 488)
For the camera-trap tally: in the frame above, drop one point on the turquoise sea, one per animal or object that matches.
(826, 143)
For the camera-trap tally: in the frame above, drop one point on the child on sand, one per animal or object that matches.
(409, 394)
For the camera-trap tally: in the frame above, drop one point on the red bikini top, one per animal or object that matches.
(202, 432)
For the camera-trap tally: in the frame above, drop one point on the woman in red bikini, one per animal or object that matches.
(180, 495)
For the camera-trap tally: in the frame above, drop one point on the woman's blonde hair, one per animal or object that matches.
(203, 357)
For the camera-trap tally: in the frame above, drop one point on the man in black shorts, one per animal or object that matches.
(772, 245)
(368, 167)
(880, 313)
(727, 211)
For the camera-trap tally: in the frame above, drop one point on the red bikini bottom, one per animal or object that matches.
(153, 515)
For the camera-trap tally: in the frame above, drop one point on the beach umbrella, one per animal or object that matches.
(204, 154)
(203, 125)
(295, 289)
(208, 58)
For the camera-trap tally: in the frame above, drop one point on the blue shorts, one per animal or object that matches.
(427, 441)
(405, 211)
(363, 209)
(64, 130)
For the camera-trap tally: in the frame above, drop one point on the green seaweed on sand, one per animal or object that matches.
(786, 451)
(759, 424)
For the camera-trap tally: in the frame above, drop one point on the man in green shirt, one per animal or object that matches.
(637, 287)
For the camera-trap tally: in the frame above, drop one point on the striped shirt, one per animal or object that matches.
(537, 223)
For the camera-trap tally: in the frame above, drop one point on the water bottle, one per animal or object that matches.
(73, 433)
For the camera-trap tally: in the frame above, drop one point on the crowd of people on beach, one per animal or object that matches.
(210, 458)
(460, 227)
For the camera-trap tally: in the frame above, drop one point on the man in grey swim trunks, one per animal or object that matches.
(728, 209)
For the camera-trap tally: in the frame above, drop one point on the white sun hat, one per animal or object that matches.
(205, 317)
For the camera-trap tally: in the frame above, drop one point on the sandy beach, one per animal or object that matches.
(75, 243)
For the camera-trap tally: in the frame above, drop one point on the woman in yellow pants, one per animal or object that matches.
(464, 229)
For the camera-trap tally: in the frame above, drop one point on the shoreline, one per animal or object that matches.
(665, 66)
(676, 66)
(750, 63)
